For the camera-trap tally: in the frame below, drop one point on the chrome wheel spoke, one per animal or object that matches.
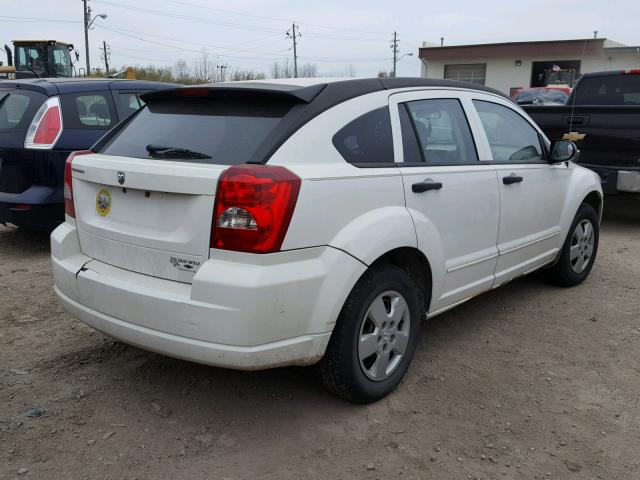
(368, 345)
(380, 366)
(398, 309)
(574, 253)
(401, 342)
(378, 312)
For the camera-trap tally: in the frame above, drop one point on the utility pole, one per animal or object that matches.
(222, 72)
(87, 17)
(294, 36)
(106, 51)
(394, 47)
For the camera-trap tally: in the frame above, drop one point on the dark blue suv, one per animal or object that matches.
(41, 122)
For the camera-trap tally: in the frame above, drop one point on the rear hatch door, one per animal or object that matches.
(145, 201)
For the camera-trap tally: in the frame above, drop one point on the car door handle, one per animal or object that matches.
(425, 186)
(510, 179)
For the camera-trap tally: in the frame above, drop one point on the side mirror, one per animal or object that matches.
(563, 151)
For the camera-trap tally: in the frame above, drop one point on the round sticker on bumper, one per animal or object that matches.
(103, 202)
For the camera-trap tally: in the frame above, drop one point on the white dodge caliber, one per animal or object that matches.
(254, 225)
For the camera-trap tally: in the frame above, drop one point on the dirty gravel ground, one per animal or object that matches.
(528, 381)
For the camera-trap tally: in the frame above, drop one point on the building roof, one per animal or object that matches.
(541, 47)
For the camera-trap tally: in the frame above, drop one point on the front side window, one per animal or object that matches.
(511, 137)
(367, 139)
(443, 131)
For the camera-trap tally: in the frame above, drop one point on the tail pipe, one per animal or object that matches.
(9, 55)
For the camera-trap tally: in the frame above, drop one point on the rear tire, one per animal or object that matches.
(374, 338)
(579, 250)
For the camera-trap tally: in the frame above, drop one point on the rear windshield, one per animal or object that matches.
(610, 90)
(229, 132)
(17, 109)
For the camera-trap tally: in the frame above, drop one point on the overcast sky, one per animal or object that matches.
(250, 34)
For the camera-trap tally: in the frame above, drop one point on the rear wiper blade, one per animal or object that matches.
(162, 151)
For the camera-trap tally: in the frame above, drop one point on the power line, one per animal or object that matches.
(7, 18)
(263, 17)
(137, 35)
(209, 21)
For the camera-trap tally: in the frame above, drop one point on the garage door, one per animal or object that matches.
(473, 72)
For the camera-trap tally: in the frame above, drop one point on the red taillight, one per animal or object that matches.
(632, 72)
(46, 126)
(69, 208)
(253, 209)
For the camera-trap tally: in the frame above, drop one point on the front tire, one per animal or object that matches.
(579, 250)
(375, 336)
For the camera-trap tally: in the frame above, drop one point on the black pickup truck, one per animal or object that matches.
(602, 116)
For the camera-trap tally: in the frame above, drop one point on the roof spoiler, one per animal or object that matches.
(292, 92)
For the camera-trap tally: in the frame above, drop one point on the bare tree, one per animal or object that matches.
(308, 70)
(237, 75)
(350, 71)
(282, 69)
(181, 72)
(204, 69)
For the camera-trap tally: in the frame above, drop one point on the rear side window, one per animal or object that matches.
(443, 131)
(18, 108)
(228, 131)
(367, 139)
(128, 103)
(88, 110)
(511, 137)
(612, 90)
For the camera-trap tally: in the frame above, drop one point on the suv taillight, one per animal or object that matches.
(46, 126)
(253, 209)
(69, 208)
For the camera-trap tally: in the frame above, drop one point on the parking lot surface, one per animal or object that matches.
(528, 381)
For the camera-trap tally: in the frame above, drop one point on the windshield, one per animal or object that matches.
(542, 96)
(229, 132)
(30, 57)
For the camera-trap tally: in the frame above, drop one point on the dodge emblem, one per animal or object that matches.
(121, 178)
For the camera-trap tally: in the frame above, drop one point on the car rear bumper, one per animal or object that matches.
(617, 180)
(37, 208)
(259, 312)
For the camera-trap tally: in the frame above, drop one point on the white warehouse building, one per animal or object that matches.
(508, 66)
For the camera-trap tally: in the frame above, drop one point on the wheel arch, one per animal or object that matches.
(416, 265)
(594, 198)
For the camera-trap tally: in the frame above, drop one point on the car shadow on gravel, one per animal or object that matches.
(17, 241)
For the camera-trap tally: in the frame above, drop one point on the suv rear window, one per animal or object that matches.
(230, 132)
(18, 108)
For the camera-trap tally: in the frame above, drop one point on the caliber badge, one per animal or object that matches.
(103, 202)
